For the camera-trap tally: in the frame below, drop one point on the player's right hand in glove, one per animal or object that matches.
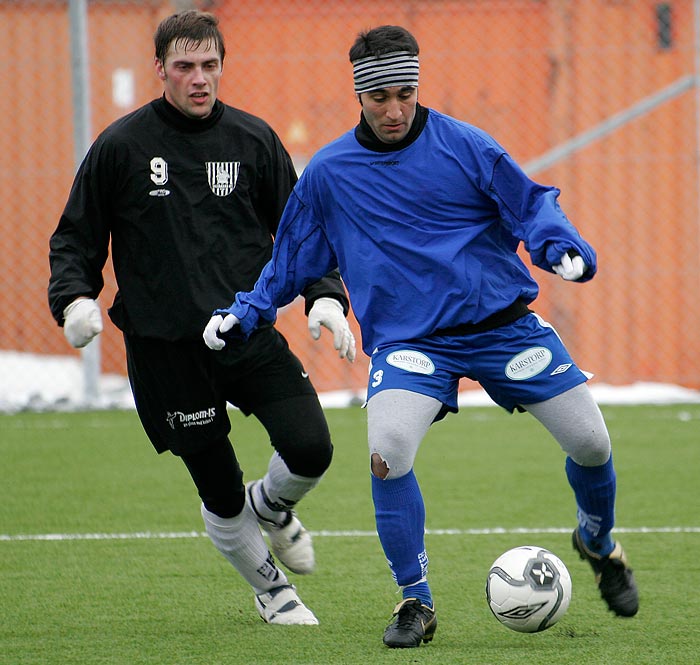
(218, 324)
(81, 322)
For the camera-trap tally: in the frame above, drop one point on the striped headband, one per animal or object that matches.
(399, 68)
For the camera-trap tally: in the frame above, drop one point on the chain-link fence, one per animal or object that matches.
(598, 97)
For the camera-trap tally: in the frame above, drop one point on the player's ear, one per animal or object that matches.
(160, 68)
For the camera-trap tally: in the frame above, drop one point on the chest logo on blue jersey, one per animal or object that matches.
(528, 363)
(222, 177)
(411, 361)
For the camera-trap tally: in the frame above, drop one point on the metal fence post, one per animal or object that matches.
(82, 132)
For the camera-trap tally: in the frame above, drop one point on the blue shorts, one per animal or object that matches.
(523, 362)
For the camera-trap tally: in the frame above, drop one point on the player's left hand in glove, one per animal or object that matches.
(81, 322)
(328, 312)
(571, 267)
(218, 324)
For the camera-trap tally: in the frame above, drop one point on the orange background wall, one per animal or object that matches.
(533, 73)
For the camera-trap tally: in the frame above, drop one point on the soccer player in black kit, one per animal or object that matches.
(189, 190)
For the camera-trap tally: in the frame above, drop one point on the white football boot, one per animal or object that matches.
(283, 607)
(290, 542)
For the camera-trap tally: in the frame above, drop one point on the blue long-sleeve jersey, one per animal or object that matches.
(425, 236)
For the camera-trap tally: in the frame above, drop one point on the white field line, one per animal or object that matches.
(154, 535)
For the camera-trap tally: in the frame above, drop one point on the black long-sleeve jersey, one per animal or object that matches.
(190, 206)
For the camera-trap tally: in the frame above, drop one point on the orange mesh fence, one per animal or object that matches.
(599, 98)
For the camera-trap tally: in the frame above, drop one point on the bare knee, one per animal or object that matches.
(380, 468)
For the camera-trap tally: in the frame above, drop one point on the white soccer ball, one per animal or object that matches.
(528, 589)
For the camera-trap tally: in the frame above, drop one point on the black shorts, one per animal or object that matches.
(181, 388)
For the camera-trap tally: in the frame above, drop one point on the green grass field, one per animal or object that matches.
(102, 558)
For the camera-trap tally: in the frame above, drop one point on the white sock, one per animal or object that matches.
(283, 490)
(240, 540)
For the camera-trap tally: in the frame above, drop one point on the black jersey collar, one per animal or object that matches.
(169, 114)
(368, 139)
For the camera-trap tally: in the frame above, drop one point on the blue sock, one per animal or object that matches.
(420, 590)
(400, 516)
(594, 488)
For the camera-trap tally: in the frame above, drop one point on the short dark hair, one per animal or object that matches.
(191, 27)
(381, 40)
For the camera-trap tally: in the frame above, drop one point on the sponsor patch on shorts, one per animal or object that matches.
(411, 361)
(529, 363)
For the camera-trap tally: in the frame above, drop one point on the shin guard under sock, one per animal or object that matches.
(400, 518)
(594, 488)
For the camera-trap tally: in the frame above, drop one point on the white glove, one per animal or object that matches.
(81, 322)
(570, 268)
(216, 324)
(328, 312)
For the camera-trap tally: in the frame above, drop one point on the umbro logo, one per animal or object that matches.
(561, 369)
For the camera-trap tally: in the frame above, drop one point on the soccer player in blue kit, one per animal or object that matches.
(423, 214)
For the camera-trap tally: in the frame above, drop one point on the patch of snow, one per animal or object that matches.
(32, 382)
